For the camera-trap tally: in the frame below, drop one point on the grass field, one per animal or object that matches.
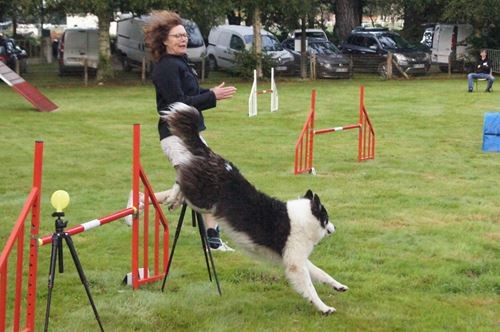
(418, 228)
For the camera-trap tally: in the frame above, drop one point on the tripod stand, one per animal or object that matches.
(196, 219)
(57, 255)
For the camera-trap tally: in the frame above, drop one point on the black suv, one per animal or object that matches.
(368, 49)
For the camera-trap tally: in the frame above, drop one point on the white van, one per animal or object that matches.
(316, 34)
(450, 39)
(225, 41)
(131, 48)
(77, 46)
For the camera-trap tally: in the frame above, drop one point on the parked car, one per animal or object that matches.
(448, 42)
(317, 34)
(225, 41)
(330, 62)
(10, 53)
(77, 46)
(131, 48)
(368, 49)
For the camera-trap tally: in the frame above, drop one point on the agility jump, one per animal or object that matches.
(24, 292)
(304, 147)
(252, 100)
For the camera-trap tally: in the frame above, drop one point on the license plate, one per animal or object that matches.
(419, 65)
(342, 70)
(281, 68)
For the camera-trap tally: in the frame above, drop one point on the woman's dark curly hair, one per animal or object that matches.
(157, 29)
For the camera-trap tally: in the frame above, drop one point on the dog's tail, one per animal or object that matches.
(182, 120)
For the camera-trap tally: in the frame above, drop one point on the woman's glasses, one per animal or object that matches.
(179, 35)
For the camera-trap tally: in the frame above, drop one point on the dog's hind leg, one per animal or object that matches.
(319, 275)
(299, 277)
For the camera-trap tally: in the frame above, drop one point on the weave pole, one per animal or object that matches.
(252, 99)
(304, 148)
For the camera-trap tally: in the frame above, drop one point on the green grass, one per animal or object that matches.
(418, 228)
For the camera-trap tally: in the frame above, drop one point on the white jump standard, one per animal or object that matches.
(252, 100)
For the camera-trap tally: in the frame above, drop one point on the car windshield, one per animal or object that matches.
(269, 43)
(393, 41)
(323, 48)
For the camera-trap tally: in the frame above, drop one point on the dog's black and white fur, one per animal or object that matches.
(258, 223)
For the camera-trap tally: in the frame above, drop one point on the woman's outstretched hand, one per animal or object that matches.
(223, 92)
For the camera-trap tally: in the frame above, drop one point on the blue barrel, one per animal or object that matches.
(491, 132)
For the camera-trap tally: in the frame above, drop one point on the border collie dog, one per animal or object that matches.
(262, 225)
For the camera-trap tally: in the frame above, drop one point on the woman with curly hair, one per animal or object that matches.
(176, 81)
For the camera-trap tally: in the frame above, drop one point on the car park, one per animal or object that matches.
(330, 62)
(11, 53)
(225, 41)
(369, 47)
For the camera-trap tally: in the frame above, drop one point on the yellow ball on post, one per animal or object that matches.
(59, 200)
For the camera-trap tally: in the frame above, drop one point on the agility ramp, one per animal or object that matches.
(304, 148)
(21, 296)
(28, 91)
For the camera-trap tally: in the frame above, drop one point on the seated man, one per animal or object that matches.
(483, 71)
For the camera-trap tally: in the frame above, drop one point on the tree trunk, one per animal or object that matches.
(348, 15)
(257, 41)
(14, 25)
(105, 68)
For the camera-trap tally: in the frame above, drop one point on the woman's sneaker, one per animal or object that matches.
(214, 241)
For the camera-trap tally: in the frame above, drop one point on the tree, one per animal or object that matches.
(292, 14)
(24, 10)
(483, 15)
(348, 14)
(206, 13)
(415, 13)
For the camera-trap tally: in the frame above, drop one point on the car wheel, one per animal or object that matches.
(212, 63)
(382, 70)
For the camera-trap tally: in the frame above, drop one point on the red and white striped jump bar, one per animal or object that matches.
(329, 130)
(91, 224)
(264, 91)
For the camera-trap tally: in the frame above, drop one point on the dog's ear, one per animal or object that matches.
(309, 194)
(317, 201)
(318, 210)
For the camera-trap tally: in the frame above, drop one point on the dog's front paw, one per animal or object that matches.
(328, 311)
(178, 202)
(174, 201)
(341, 288)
